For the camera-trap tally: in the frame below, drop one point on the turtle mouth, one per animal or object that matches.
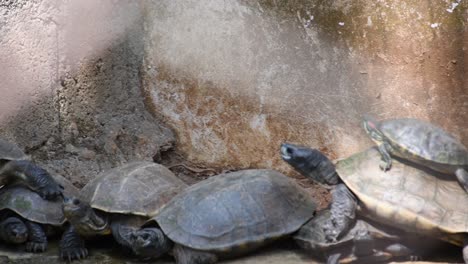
(285, 152)
(19, 238)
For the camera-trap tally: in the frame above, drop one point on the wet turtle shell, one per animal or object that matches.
(424, 143)
(236, 212)
(30, 205)
(407, 197)
(137, 188)
(10, 151)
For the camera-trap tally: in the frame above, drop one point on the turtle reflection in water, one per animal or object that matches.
(412, 199)
(225, 216)
(116, 202)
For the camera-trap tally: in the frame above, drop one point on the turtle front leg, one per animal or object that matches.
(37, 241)
(150, 243)
(35, 177)
(122, 233)
(72, 245)
(185, 255)
(386, 162)
(343, 213)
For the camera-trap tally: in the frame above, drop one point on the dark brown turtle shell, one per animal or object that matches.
(236, 212)
(137, 188)
(31, 206)
(407, 197)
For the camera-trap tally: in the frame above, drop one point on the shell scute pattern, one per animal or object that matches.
(236, 211)
(138, 188)
(32, 206)
(406, 196)
(422, 140)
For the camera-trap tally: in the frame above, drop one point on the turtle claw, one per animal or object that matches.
(73, 254)
(51, 191)
(385, 166)
(415, 258)
(330, 232)
(36, 247)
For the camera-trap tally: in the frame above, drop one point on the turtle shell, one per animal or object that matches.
(30, 205)
(10, 151)
(236, 212)
(413, 199)
(138, 188)
(423, 141)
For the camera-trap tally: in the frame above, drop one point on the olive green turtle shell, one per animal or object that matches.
(9, 151)
(424, 141)
(137, 188)
(30, 205)
(414, 199)
(236, 212)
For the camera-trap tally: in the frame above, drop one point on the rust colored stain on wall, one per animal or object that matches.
(236, 79)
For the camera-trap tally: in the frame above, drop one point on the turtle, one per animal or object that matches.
(26, 218)
(365, 242)
(116, 202)
(408, 197)
(225, 216)
(420, 142)
(15, 166)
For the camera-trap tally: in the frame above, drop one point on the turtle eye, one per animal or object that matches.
(76, 201)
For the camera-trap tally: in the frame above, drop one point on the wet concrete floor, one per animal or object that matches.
(105, 254)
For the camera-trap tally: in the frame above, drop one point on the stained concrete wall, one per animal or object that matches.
(236, 78)
(70, 85)
(232, 79)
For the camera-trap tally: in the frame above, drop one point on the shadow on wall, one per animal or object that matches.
(93, 117)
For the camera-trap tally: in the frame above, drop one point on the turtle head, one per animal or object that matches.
(74, 208)
(311, 163)
(149, 243)
(371, 126)
(82, 216)
(14, 230)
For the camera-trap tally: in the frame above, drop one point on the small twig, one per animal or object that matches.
(197, 170)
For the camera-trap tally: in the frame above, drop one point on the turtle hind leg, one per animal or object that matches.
(121, 233)
(185, 255)
(37, 238)
(462, 176)
(72, 245)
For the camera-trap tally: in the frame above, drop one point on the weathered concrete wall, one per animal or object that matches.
(71, 93)
(236, 78)
(232, 78)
